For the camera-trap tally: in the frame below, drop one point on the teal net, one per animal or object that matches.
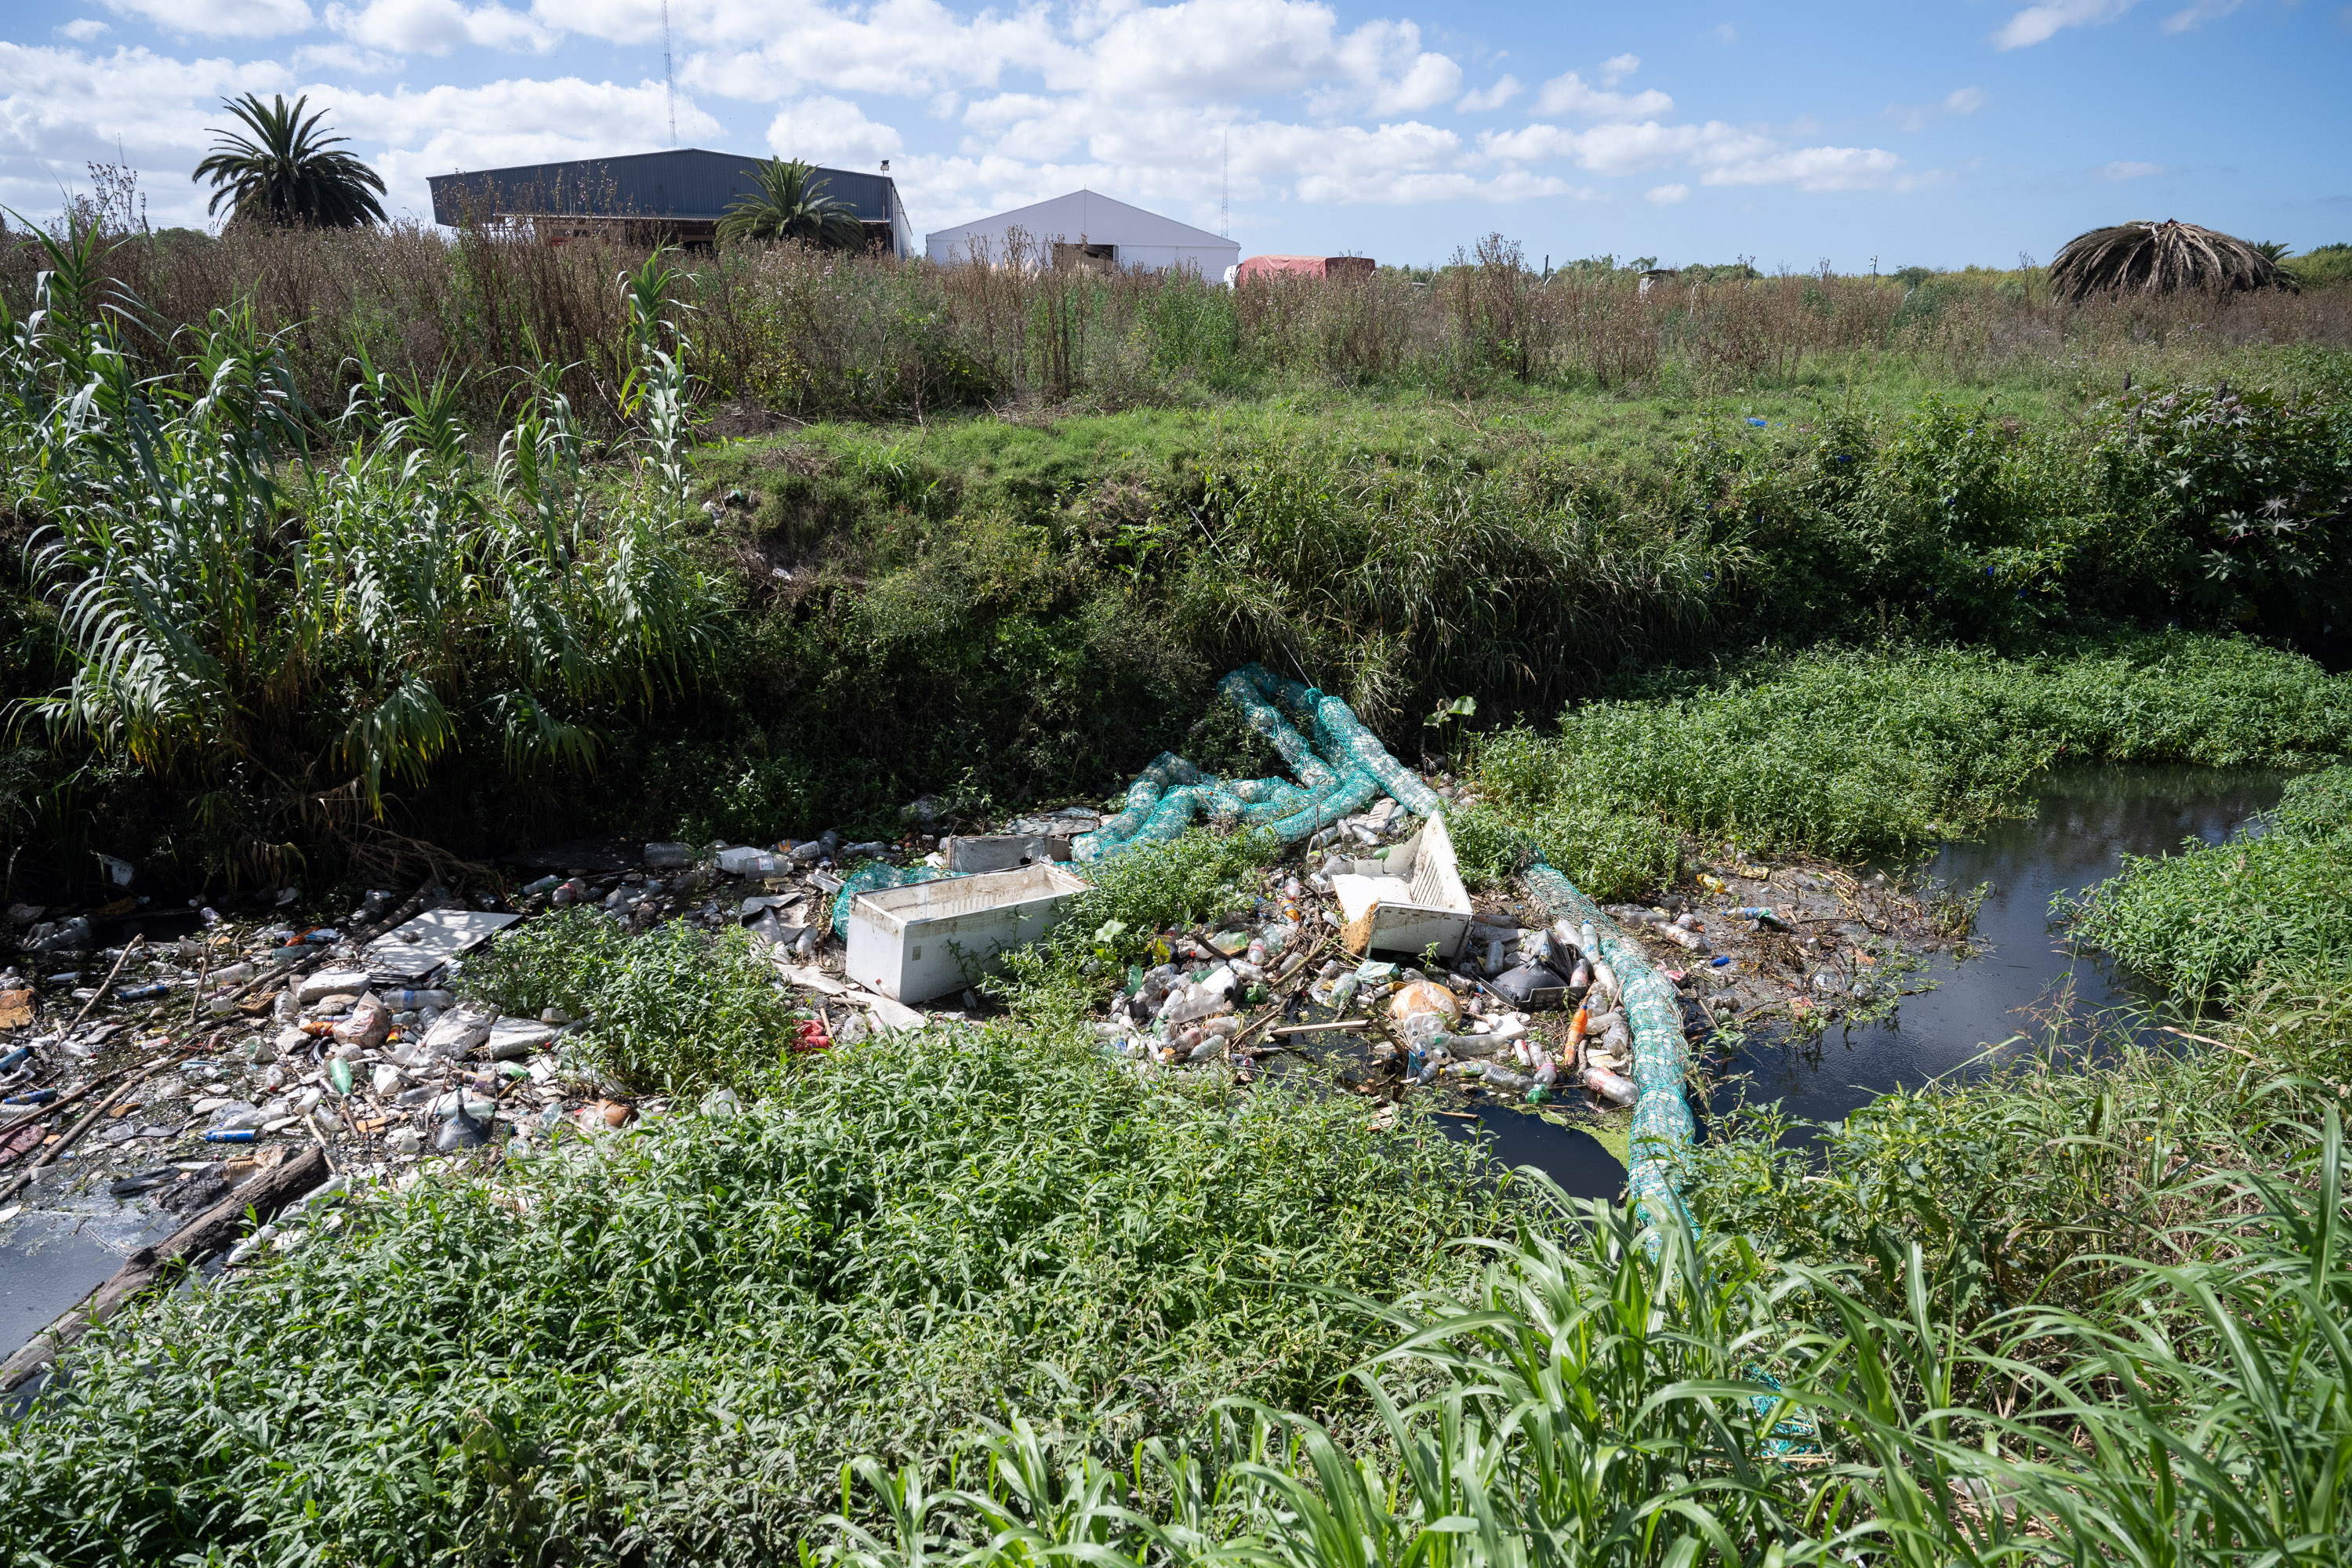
(1339, 768)
(1663, 1128)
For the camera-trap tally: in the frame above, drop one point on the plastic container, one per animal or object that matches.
(926, 939)
(1614, 1087)
(242, 1135)
(1425, 997)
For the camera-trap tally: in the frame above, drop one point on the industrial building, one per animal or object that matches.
(673, 198)
(1086, 228)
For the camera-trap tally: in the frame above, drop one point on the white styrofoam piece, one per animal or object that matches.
(916, 943)
(1427, 904)
(440, 936)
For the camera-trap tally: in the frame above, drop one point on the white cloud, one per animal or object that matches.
(1617, 67)
(1814, 169)
(2200, 13)
(1569, 95)
(2126, 170)
(1492, 97)
(1723, 155)
(1724, 32)
(315, 59)
(436, 27)
(2038, 24)
(82, 29)
(1917, 116)
(220, 18)
(60, 109)
(831, 131)
(1666, 195)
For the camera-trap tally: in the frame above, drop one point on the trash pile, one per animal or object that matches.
(194, 1050)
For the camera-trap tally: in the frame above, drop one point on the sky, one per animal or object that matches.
(1936, 132)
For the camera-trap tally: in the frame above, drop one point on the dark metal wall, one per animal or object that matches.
(687, 185)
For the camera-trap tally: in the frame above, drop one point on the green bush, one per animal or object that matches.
(665, 1351)
(678, 1010)
(2202, 921)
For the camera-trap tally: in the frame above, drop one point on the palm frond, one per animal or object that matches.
(2166, 257)
(788, 203)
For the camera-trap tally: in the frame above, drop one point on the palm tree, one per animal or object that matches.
(2158, 258)
(285, 174)
(787, 204)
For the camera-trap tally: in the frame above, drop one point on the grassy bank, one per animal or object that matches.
(1853, 754)
(1064, 1310)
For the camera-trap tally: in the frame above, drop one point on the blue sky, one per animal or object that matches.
(1941, 131)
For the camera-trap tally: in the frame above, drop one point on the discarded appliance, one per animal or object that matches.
(926, 939)
(1002, 851)
(1408, 901)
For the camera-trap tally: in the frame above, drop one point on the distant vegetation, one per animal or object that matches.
(1039, 512)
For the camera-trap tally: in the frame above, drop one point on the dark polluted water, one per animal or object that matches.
(2085, 822)
(2018, 968)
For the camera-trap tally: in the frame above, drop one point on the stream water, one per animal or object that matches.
(2086, 821)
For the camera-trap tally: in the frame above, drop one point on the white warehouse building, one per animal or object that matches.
(1084, 228)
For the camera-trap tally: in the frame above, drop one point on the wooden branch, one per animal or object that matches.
(100, 995)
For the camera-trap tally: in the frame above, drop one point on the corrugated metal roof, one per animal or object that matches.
(688, 183)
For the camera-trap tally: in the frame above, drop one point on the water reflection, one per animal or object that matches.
(2087, 820)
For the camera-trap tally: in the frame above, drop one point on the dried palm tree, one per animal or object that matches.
(2159, 258)
(788, 203)
(285, 174)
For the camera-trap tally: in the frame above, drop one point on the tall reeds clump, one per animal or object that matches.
(296, 625)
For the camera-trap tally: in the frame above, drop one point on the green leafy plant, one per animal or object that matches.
(787, 202)
(283, 173)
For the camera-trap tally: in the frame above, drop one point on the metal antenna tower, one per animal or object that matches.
(670, 76)
(1225, 200)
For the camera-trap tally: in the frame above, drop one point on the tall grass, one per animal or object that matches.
(666, 1351)
(233, 605)
(1594, 1403)
(789, 329)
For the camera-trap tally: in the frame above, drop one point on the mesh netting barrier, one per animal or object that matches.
(1341, 770)
(1663, 1128)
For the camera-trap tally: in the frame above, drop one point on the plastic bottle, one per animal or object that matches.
(1343, 991)
(143, 992)
(1612, 1087)
(242, 1135)
(407, 1001)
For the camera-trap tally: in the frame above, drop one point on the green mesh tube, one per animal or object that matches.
(1663, 1128)
(1343, 770)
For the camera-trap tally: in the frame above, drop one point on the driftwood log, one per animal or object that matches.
(265, 1193)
